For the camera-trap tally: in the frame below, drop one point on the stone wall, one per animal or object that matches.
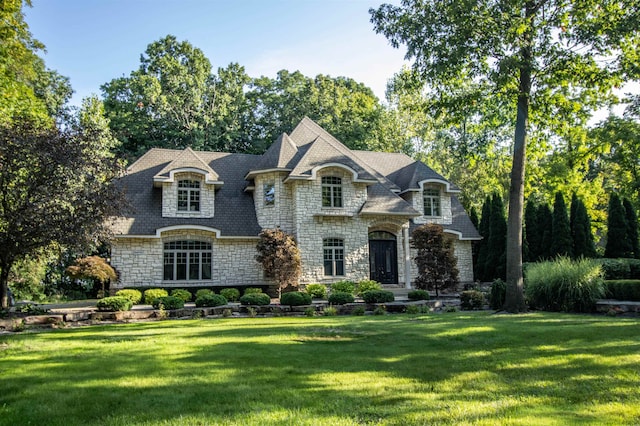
(417, 201)
(280, 214)
(462, 252)
(170, 197)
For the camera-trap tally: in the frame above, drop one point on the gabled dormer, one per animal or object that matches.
(188, 187)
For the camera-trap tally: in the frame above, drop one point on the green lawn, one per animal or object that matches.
(454, 368)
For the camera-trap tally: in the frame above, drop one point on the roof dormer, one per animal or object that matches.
(187, 161)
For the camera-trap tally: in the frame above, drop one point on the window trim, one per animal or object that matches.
(332, 192)
(333, 247)
(187, 250)
(192, 193)
(435, 202)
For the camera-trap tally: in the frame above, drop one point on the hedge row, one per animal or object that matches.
(628, 290)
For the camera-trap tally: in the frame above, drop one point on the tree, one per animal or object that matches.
(55, 187)
(279, 256)
(632, 228)
(546, 225)
(483, 229)
(618, 243)
(533, 233)
(93, 268)
(582, 237)
(436, 262)
(561, 242)
(496, 246)
(546, 56)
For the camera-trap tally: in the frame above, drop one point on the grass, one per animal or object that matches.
(456, 368)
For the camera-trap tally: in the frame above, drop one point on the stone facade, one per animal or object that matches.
(170, 197)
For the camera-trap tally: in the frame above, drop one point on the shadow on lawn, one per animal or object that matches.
(397, 369)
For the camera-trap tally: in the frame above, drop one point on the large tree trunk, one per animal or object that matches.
(4, 285)
(514, 301)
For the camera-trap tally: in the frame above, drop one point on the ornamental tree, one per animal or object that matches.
(553, 61)
(437, 265)
(279, 256)
(93, 268)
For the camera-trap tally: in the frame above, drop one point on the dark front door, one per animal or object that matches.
(383, 260)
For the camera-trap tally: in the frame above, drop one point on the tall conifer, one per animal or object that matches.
(545, 221)
(618, 242)
(632, 227)
(533, 232)
(495, 266)
(583, 245)
(483, 229)
(561, 242)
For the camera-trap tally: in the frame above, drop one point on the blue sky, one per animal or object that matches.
(94, 41)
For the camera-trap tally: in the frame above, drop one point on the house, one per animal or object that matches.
(196, 216)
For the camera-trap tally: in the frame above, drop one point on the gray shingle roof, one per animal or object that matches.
(461, 224)
(187, 159)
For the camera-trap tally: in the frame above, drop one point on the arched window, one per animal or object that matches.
(333, 250)
(189, 196)
(432, 202)
(331, 191)
(187, 261)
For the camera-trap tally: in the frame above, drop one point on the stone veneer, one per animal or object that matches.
(170, 197)
(139, 261)
(280, 214)
(462, 252)
(417, 201)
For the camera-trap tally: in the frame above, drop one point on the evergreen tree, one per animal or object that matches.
(618, 242)
(583, 245)
(561, 242)
(533, 232)
(473, 215)
(545, 223)
(483, 229)
(632, 226)
(495, 265)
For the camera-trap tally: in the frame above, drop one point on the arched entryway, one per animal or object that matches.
(383, 257)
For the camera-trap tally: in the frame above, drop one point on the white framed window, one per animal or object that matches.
(269, 191)
(432, 205)
(187, 261)
(189, 196)
(333, 252)
(331, 191)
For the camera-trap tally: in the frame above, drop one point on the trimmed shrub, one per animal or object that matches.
(343, 287)
(498, 294)
(628, 290)
(565, 285)
(340, 298)
(378, 296)
(132, 294)
(367, 285)
(471, 300)
(615, 269)
(418, 295)
(330, 311)
(114, 303)
(231, 294)
(183, 294)
(168, 302)
(255, 299)
(634, 269)
(252, 290)
(210, 300)
(203, 292)
(295, 298)
(358, 311)
(316, 291)
(153, 293)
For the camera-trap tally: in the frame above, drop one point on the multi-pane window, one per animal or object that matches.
(187, 261)
(269, 190)
(189, 196)
(431, 202)
(333, 249)
(331, 191)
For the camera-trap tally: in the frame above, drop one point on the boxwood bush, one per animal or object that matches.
(203, 292)
(367, 285)
(132, 294)
(231, 294)
(210, 300)
(498, 294)
(153, 293)
(623, 290)
(316, 291)
(565, 285)
(295, 298)
(183, 294)
(114, 303)
(255, 299)
(378, 296)
(340, 298)
(252, 290)
(343, 287)
(168, 302)
(418, 295)
(471, 300)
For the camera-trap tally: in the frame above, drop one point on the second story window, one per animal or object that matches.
(331, 191)
(269, 194)
(432, 202)
(189, 196)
